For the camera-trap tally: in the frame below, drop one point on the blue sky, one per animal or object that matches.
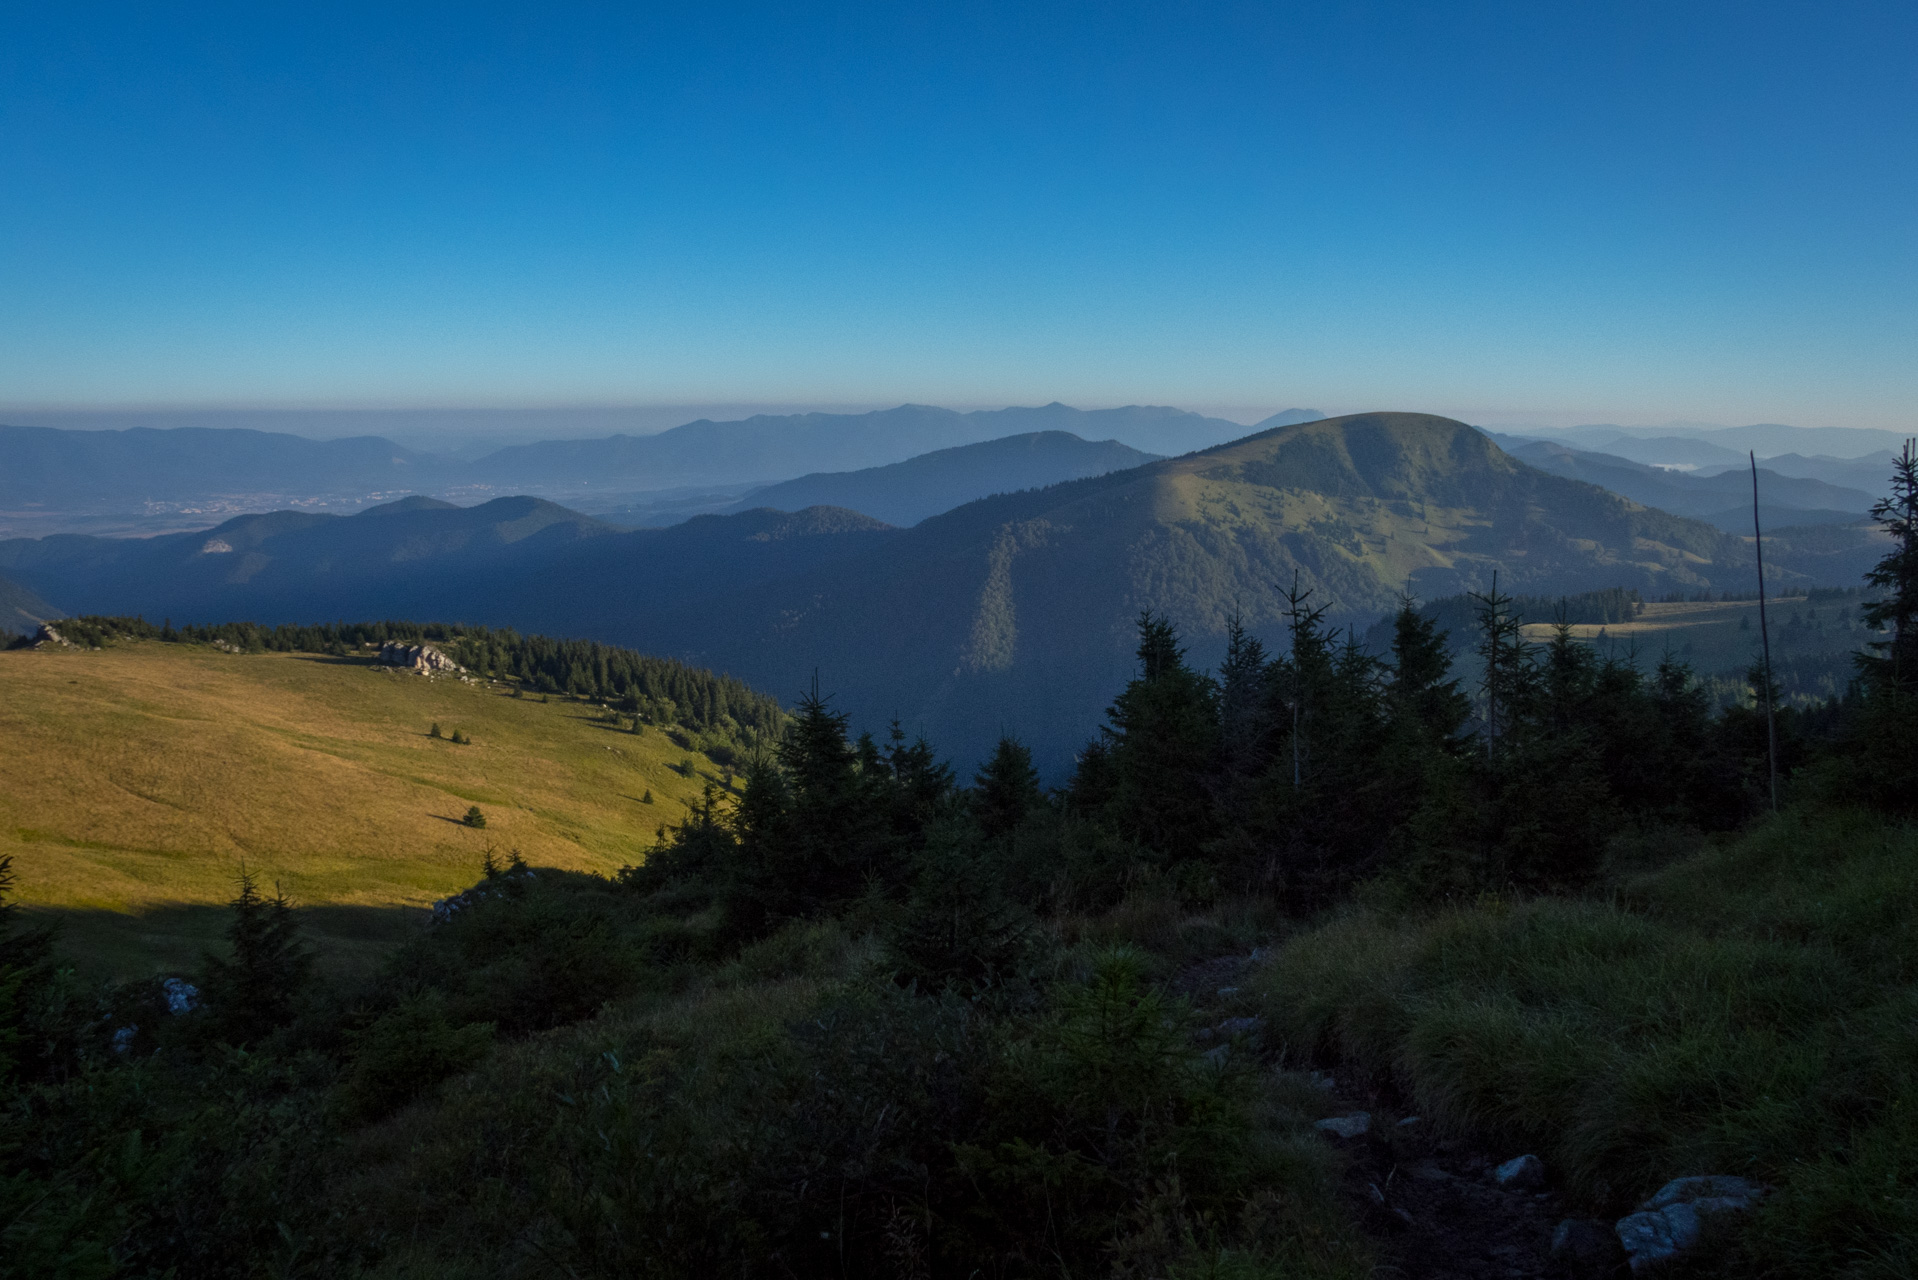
(1520, 212)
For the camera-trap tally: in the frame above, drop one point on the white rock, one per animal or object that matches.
(1356, 1125)
(1525, 1173)
(1667, 1224)
(1654, 1238)
(181, 996)
(1721, 1191)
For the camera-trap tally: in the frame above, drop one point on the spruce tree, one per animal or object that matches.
(1508, 663)
(1422, 704)
(1005, 789)
(1162, 744)
(256, 990)
(1244, 710)
(1893, 664)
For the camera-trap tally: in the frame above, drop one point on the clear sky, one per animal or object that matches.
(1506, 211)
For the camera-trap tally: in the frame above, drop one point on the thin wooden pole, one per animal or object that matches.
(1764, 637)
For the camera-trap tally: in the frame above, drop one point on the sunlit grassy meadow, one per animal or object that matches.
(135, 781)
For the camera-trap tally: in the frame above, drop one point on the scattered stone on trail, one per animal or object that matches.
(1427, 1171)
(1240, 1026)
(1708, 1194)
(1525, 1173)
(1323, 1080)
(181, 996)
(123, 1038)
(1356, 1125)
(1655, 1238)
(423, 658)
(1408, 1122)
(1217, 1054)
(1668, 1223)
(1586, 1250)
(1226, 992)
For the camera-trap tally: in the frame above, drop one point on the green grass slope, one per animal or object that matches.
(138, 778)
(1750, 1010)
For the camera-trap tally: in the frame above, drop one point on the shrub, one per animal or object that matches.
(1748, 1011)
(408, 1051)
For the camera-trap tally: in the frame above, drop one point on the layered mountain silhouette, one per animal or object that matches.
(1013, 613)
(776, 447)
(907, 492)
(48, 471)
(1722, 498)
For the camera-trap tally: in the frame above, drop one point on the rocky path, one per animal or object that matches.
(1437, 1208)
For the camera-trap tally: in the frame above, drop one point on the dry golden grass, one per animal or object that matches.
(135, 781)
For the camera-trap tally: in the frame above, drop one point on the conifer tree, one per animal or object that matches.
(1005, 789)
(837, 837)
(1304, 677)
(1421, 703)
(256, 990)
(1244, 710)
(1893, 664)
(1162, 742)
(1508, 663)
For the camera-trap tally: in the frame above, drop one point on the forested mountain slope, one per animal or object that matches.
(1018, 611)
(296, 566)
(1011, 612)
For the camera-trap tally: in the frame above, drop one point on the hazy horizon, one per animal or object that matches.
(471, 429)
(1508, 215)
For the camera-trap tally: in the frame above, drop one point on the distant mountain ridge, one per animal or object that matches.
(904, 493)
(1719, 497)
(772, 448)
(50, 465)
(158, 473)
(1014, 612)
(1767, 439)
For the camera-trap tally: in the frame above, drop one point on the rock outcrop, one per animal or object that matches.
(1671, 1222)
(423, 658)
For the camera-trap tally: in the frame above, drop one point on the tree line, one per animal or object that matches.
(660, 690)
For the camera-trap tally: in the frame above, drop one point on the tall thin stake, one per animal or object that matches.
(1764, 637)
